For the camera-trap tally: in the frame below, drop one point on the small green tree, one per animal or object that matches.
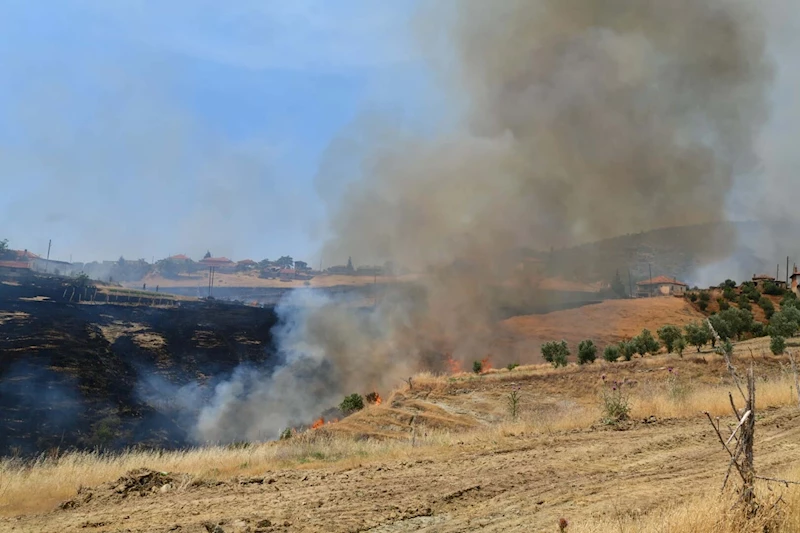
(4, 251)
(555, 353)
(587, 352)
(705, 296)
(668, 335)
(778, 345)
(352, 403)
(744, 303)
(680, 346)
(611, 353)
(785, 323)
(697, 334)
(739, 321)
(729, 294)
(477, 367)
(773, 289)
(722, 328)
(646, 343)
(768, 307)
(627, 349)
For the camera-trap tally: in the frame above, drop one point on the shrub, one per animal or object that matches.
(555, 353)
(512, 366)
(705, 296)
(512, 400)
(352, 403)
(721, 326)
(286, 434)
(739, 321)
(668, 335)
(693, 296)
(723, 304)
(646, 343)
(587, 352)
(680, 346)
(702, 305)
(477, 367)
(697, 334)
(744, 303)
(729, 284)
(677, 388)
(785, 323)
(611, 353)
(627, 349)
(729, 294)
(768, 307)
(758, 330)
(616, 403)
(773, 289)
(777, 344)
(790, 300)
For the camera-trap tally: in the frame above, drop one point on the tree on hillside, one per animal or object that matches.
(668, 335)
(285, 261)
(697, 334)
(646, 343)
(587, 352)
(721, 326)
(739, 321)
(618, 287)
(785, 323)
(555, 353)
(4, 250)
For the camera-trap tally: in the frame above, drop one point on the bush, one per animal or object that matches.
(697, 334)
(705, 296)
(729, 294)
(627, 349)
(773, 289)
(477, 367)
(790, 300)
(702, 305)
(744, 303)
(777, 344)
(555, 353)
(646, 343)
(721, 327)
(729, 284)
(512, 366)
(723, 304)
(611, 353)
(758, 330)
(680, 346)
(616, 403)
(785, 323)
(768, 307)
(352, 403)
(739, 321)
(693, 296)
(587, 352)
(668, 335)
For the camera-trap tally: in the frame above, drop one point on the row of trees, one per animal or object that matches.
(732, 323)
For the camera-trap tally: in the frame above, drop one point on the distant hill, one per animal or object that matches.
(738, 249)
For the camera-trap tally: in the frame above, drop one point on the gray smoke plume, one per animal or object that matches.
(582, 120)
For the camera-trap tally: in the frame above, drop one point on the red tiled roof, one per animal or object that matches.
(287, 272)
(216, 261)
(25, 254)
(15, 264)
(179, 257)
(661, 280)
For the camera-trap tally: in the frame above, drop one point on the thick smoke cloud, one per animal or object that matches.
(582, 120)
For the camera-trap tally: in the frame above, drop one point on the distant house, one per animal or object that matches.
(52, 266)
(221, 264)
(180, 258)
(794, 277)
(660, 286)
(14, 266)
(287, 274)
(762, 279)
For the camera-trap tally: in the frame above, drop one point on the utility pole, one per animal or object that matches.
(787, 270)
(650, 269)
(47, 263)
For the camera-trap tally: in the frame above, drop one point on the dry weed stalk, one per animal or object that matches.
(796, 378)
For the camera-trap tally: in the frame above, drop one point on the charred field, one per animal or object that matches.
(70, 373)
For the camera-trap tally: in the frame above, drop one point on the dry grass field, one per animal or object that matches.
(251, 280)
(606, 323)
(447, 455)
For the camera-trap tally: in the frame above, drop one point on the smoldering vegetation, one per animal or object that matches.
(580, 120)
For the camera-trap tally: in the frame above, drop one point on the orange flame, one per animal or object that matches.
(333, 421)
(485, 364)
(318, 423)
(378, 399)
(455, 366)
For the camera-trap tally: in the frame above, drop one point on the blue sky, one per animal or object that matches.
(151, 128)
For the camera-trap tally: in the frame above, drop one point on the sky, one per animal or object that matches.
(145, 129)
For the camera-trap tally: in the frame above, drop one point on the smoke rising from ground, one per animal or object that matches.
(582, 120)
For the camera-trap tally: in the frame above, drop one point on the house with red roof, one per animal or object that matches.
(220, 264)
(660, 286)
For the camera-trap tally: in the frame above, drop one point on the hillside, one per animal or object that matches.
(445, 455)
(71, 374)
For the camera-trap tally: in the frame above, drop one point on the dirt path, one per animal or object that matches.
(524, 483)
